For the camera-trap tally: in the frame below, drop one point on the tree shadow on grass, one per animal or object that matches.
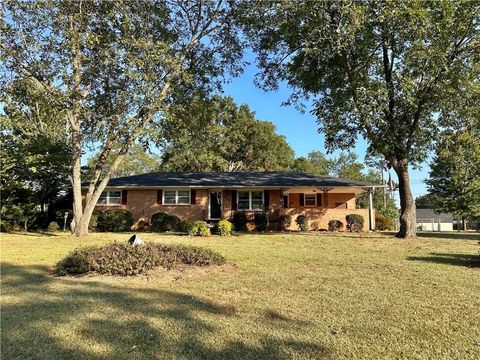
(466, 260)
(44, 317)
(450, 235)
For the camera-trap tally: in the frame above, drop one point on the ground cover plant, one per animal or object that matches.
(290, 296)
(124, 259)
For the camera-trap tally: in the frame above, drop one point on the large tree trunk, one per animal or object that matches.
(408, 221)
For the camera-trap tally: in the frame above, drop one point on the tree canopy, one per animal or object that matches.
(455, 174)
(218, 135)
(391, 72)
(111, 69)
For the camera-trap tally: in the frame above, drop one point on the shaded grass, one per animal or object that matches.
(291, 296)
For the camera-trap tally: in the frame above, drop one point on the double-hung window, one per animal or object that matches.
(310, 200)
(110, 197)
(176, 197)
(250, 200)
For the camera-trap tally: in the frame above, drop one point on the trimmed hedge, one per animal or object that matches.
(261, 221)
(224, 228)
(302, 222)
(335, 225)
(240, 221)
(53, 226)
(124, 259)
(354, 222)
(383, 222)
(115, 220)
(197, 228)
(285, 221)
(165, 222)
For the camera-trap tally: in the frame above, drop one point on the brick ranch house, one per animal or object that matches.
(215, 196)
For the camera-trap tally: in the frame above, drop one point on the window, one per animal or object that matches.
(176, 197)
(250, 200)
(110, 198)
(310, 199)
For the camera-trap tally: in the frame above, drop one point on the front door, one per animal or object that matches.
(215, 205)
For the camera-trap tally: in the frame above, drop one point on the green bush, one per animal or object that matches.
(115, 220)
(261, 221)
(285, 221)
(53, 227)
(240, 221)
(197, 228)
(164, 222)
(383, 222)
(92, 224)
(335, 225)
(354, 222)
(124, 259)
(302, 222)
(315, 226)
(5, 226)
(224, 228)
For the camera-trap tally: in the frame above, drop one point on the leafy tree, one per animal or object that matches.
(426, 201)
(218, 135)
(393, 72)
(346, 166)
(314, 163)
(111, 69)
(455, 174)
(137, 161)
(34, 158)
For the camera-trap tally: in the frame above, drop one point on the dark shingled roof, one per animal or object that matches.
(428, 214)
(233, 179)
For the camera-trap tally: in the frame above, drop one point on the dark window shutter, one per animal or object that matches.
(285, 201)
(234, 199)
(266, 198)
(193, 197)
(319, 200)
(159, 197)
(124, 197)
(302, 199)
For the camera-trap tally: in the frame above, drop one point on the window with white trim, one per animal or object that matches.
(176, 197)
(110, 197)
(250, 200)
(311, 200)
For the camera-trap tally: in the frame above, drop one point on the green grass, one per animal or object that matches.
(289, 296)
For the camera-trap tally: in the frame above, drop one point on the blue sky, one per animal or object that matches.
(299, 129)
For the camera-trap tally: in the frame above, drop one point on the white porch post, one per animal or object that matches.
(370, 210)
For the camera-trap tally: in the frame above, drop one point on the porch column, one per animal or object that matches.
(370, 210)
(325, 195)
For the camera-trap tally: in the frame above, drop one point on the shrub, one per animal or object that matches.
(92, 224)
(124, 259)
(240, 221)
(4, 226)
(224, 228)
(335, 225)
(197, 228)
(115, 220)
(53, 226)
(285, 221)
(354, 222)
(383, 222)
(315, 226)
(302, 222)
(165, 222)
(261, 221)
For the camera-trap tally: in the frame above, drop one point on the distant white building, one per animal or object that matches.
(429, 220)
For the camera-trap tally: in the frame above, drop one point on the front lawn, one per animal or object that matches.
(284, 296)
